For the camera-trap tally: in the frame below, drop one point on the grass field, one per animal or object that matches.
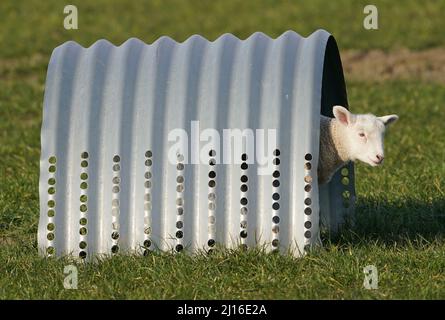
(401, 206)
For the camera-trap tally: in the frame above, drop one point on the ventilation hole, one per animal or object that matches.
(307, 188)
(275, 229)
(180, 157)
(243, 234)
(115, 249)
(212, 183)
(51, 190)
(276, 196)
(212, 153)
(84, 163)
(276, 183)
(147, 230)
(179, 188)
(308, 224)
(243, 224)
(275, 242)
(52, 160)
(82, 244)
(212, 162)
(211, 242)
(212, 206)
(276, 152)
(83, 231)
(83, 185)
(147, 197)
(147, 243)
(51, 203)
(307, 247)
(179, 247)
(146, 253)
(243, 210)
(179, 201)
(308, 211)
(180, 167)
(115, 235)
(307, 166)
(83, 208)
(50, 227)
(308, 157)
(345, 181)
(307, 234)
(276, 219)
(180, 211)
(346, 194)
(147, 175)
(244, 166)
(84, 155)
(243, 201)
(51, 213)
(50, 236)
(147, 184)
(116, 180)
(244, 188)
(179, 234)
(116, 189)
(344, 171)
(50, 250)
(115, 202)
(307, 201)
(52, 169)
(276, 174)
(212, 196)
(308, 179)
(148, 154)
(116, 167)
(276, 162)
(82, 254)
(179, 224)
(212, 174)
(276, 206)
(84, 176)
(179, 179)
(244, 157)
(83, 221)
(244, 178)
(51, 181)
(116, 158)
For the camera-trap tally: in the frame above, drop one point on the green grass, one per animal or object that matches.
(400, 222)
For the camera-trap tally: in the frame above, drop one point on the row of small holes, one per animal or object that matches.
(307, 200)
(115, 204)
(50, 236)
(243, 201)
(276, 198)
(179, 203)
(147, 201)
(346, 195)
(212, 200)
(83, 204)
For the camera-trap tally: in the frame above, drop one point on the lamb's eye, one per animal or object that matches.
(361, 134)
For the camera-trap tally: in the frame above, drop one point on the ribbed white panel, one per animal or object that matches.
(107, 115)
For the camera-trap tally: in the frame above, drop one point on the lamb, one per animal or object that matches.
(350, 137)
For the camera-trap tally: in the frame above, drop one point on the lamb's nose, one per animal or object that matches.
(379, 158)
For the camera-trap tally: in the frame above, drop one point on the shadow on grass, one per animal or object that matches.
(394, 222)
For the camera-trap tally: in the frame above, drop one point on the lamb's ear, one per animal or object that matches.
(343, 115)
(387, 120)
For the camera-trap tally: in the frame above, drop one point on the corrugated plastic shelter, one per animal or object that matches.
(107, 186)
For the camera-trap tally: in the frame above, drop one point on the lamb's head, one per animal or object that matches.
(362, 134)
